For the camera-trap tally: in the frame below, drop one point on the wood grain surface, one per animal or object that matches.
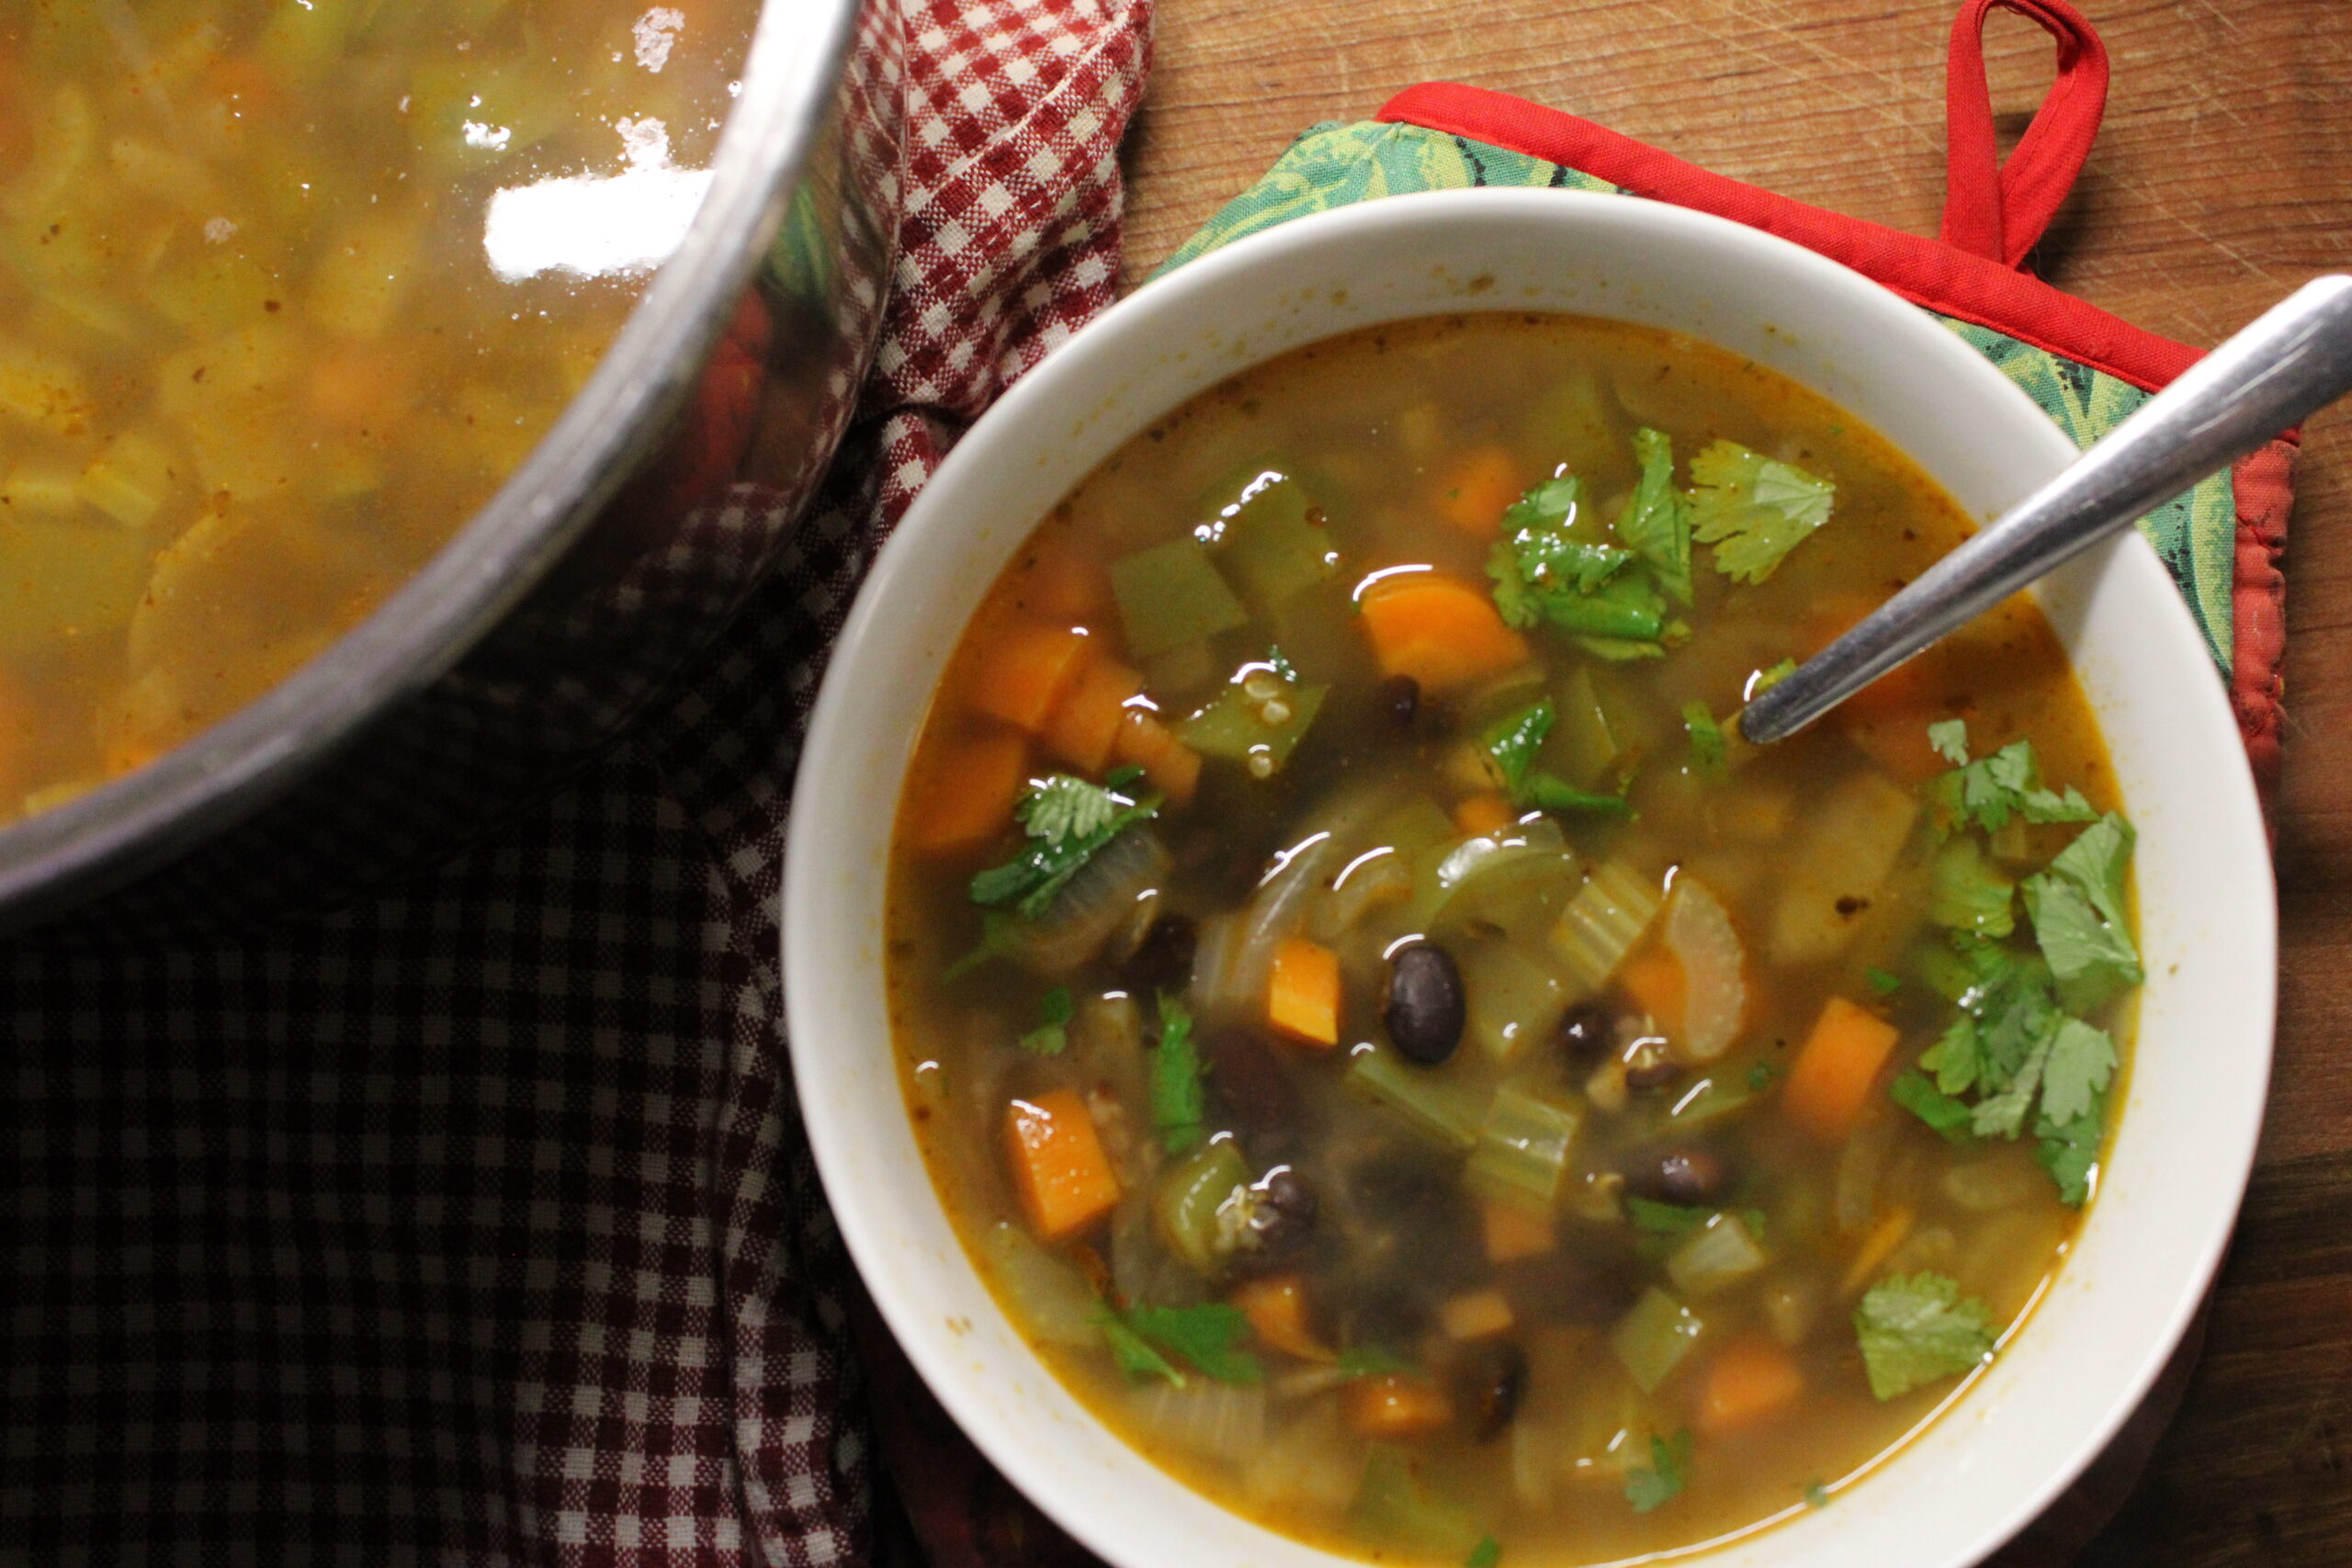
(2223, 178)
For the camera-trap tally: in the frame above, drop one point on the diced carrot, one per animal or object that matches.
(963, 791)
(1060, 584)
(1830, 1083)
(1173, 768)
(1476, 1315)
(1392, 1406)
(1887, 720)
(1877, 1247)
(1479, 489)
(1085, 727)
(1302, 993)
(1656, 980)
(1276, 1308)
(1750, 1380)
(1512, 1233)
(1440, 630)
(1482, 814)
(360, 387)
(1058, 1166)
(1024, 667)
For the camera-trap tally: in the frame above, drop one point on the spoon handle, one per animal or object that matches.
(2291, 361)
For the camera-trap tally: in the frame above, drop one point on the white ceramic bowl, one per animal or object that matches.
(2171, 1189)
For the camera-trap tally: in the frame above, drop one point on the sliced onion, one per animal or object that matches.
(1095, 903)
(1215, 1420)
(1700, 933)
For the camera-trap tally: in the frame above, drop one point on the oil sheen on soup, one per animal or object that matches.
(287, 290)
(1408, 1066)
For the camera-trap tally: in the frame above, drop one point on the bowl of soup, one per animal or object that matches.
(1326, 1046)
(344, 341)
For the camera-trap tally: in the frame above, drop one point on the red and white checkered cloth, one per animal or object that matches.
(475, 1225)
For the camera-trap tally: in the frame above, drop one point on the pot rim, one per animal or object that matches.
(100, 839)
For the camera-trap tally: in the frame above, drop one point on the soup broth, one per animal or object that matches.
(1407, 1065)
(286, 292)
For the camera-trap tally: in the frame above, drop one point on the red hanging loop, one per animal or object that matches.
(1999, 210)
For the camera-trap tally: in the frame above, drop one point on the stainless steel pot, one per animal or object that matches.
(630, 535)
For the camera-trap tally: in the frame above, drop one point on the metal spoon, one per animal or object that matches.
(2295, 360)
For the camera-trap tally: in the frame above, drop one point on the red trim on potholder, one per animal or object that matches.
(1923, 271)
(2264, 487)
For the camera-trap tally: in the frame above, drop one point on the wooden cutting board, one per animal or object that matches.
(2221, 180)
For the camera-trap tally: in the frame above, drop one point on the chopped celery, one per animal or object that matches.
(1190, 1195)
(1586, 740)
(1169, 595)
(1257, 720)
(1969, 894)
(1601, 924)
(1055, 1303)
(1414, 825)
(1575, 421)
(1432, 1104)
(1392, 1509)
(1841, 861)
(1718, 1255)
(1514, 1000)
(1523, 1149)
(131, 480)
(1653, 1338)
(1710, 1100)
(1268, 537)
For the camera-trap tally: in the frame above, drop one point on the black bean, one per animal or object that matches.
(1584, 1033)
(1164, 961)
(1425, 1009)
(1490, 1380)
(1680, 1176)
(1282, 1214)
(1400, 699)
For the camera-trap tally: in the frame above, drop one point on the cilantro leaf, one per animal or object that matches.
(2002, 1114)
(1068, 822)
(1753, 509)
(1708, 747)
(1512, 744)
(1178, 1105)
(1969, 894)
(1552, 567)
(1816, 1495)
(1949, 739)
(1208, 1337)
(2076, 906)
(1665, 1219)
(1916, 1092)
(2069, 1151)
(1133, 1354)
(1664, 1478)
(2080, 1067)
(1991, 790)
(1051, 1038)
(1884, 984)
(1656, 523)
(1913, 1331)
(1487, 1553)
(1957, 1057)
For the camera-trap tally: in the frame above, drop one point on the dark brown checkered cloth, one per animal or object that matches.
(474, 1226)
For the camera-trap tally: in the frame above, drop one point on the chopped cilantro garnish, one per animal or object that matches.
(1916, 1092)
(1134, 1355)
(1753, 509)
(1884, 984)
(1665, 1219)
(2080, 1065)
(1487, 1553)
(1051, 1038)
(1913, 1331)
(1760, 1077)
(2008, 784)
(1512, 744)
(1663, 1479)
(1207, 1336)
(1969, 894)
(1656, 523)
(1816, 1495)
(2076, 907)
(1178, 1106)
(1556, 567)
(2069, 1152)
(1281, 665)
(1068, 822)
(1708, 747)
